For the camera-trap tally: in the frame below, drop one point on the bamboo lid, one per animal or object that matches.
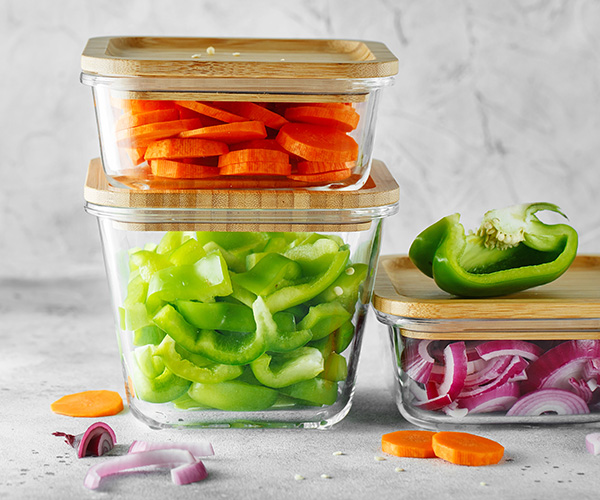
(237, 58)
(402, 290)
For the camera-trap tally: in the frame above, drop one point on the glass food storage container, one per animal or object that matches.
(234, 112)
(240, 308)
(531, 357)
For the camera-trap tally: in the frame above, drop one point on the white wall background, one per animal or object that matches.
(495, 103)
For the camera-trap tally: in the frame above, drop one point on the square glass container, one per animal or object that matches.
(236, 113)
(527, 358)
(238, 308)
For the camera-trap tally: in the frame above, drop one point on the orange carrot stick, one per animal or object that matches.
(210, 110)
(135, 106)
(230, 132)
(181, 170)
(344, 118)
(256, 168)
(146, 134)
(176, 148)
(463, 448)
(89, 404)
(317, 143)
(410, 443)
(255, 155)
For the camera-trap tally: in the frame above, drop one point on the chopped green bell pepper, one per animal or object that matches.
(324, 318)
(147, 263)
(316, 391)
(189, 252)
(314, 256)
(281, 370)
(345, 289)
(217, 315)
(233, 395)
(336, 368)
(511, 251)
(149, 334)
(270, 273)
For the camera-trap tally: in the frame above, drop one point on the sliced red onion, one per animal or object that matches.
(500, 398)
(581, 388)
(591, 369)
(592, 443)
(555, 367)
(515, 366)
(418, 369)
(189, 473)
(452, 410)
(437, 374)
(423, 350)
(455, 365)
(196, 448)
(132, 461)
(97, 440)
(543, 401)
(491, 371)
(494, 348)
(475, 365)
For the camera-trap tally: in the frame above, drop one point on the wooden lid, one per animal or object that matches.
(237, 58)
(244, 209)
(401, 290)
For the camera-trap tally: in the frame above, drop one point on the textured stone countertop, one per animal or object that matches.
(57, 338)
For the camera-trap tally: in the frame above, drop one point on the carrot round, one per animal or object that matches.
(89, 404)
(256, 168)
(176, 148)
(146, 134)
(317, 167)
(334, 176)
(230, 132)
(463, 448)
(344, 118)
(317, 143)
(252, 111)
(181, 170)
(255, 155)
(410, 443)
(130, 120)
(212, 111)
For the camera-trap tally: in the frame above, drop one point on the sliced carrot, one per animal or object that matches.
(181, 170)
(334, 176)
(317, 143)
(256, 168)
(317, 167)
(135, 106)
(210, 110)
(177, 147)
(344, 118)
(252, 111)
(131, 120)
(254, 155)
(146, 134)
(410, 443)
(230, 132)
(258, 144)
(463, 448)
(89, 404)
(136, 155)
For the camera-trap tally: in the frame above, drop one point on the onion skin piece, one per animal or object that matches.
(98, 439)
(592, 443)
(549, 400)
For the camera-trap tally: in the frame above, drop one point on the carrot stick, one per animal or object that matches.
(89, 404)
(256, 168)
(130, 120)
(230, 132)
(410, 443)
(334, 176)
(212, 111)
(255, 155)
(317, 143)
(146, 134)
(463, 448)
(176, 148)
(135, 106)
(344, 118)
(181, 170)
(252, 111)
(317, 167)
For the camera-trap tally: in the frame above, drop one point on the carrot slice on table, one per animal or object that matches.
(463, 448)
(181, 170)
(130, 120)
(89, 404)
(255, 155)
(252, 111)
(177, 147)
(317, 167)
(146, 134)
(344, 118)
(334, 176)
(230, 132)
(212, 111)
(256, 168)
(317, 143)
(410, 443)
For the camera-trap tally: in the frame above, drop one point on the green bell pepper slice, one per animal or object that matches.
(511, 251)
(217, 315)
(316, 391)
(149, 334)
(281, 370)
(268, 274)
(336, 368)
(152, 380)
(345, 289)
(134, 305)
(238, 242)
(324, 318)
(293, 295)
(147, 263)
(314, 256)
(337, 341)
(233, 395)
(230, 348)
(189, 252)
(173, 240)
(185, 364)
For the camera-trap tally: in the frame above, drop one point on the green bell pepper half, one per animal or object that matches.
(511, 251)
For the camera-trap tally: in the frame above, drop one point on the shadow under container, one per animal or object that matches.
(240, 308)
(179, 113)
(527, 358)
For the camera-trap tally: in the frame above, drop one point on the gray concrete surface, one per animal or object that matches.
(57, 338)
